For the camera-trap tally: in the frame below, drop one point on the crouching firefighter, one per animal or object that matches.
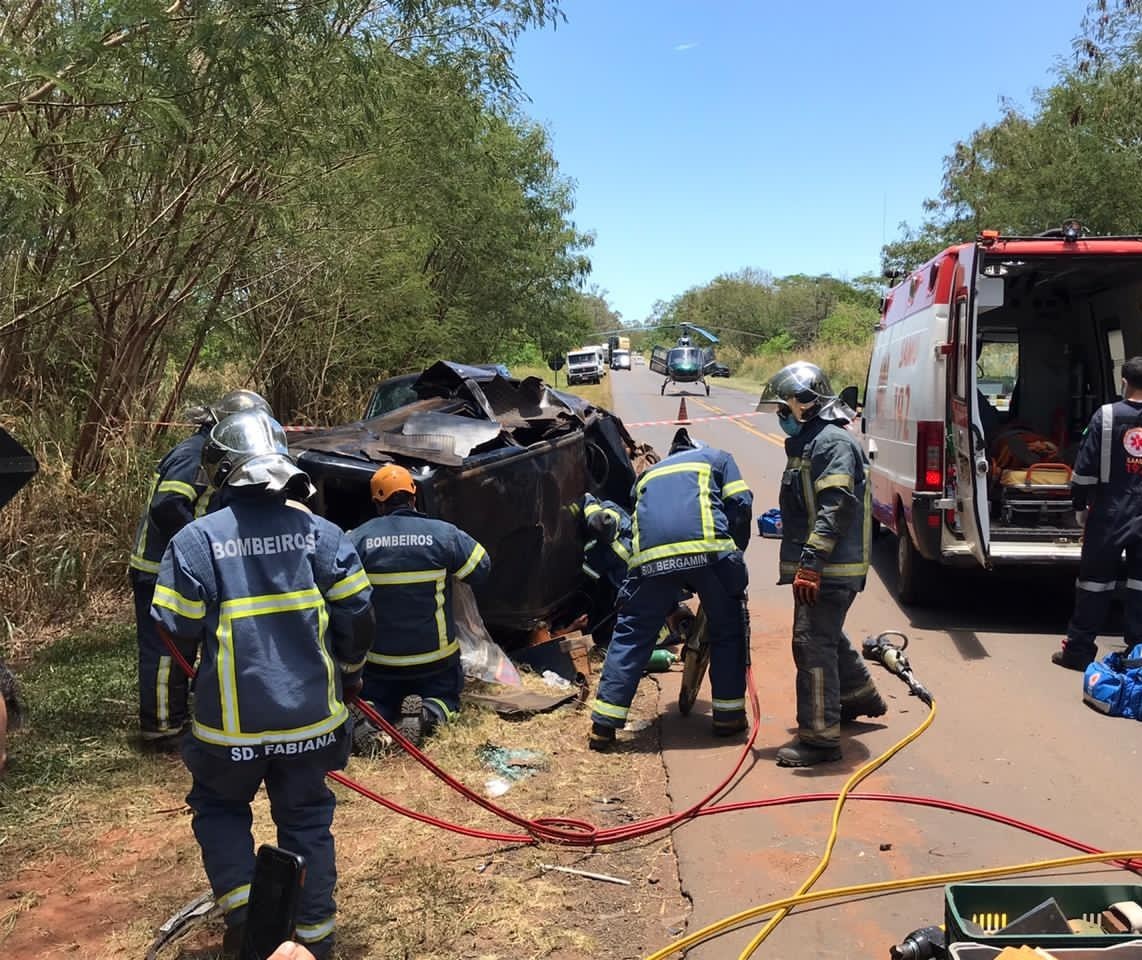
(606, 531)
(691, 525)
(413, 676)
(1106, 492)
(826, 534)
(277, 602)
(176, 488)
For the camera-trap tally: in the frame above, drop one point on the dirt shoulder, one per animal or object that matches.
(96, 848)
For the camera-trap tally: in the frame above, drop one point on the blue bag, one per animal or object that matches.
(1113, 685)
(769, 524)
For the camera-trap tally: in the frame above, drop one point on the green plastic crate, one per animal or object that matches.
(963, 900)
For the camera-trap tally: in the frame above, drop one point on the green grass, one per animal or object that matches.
(81, 709)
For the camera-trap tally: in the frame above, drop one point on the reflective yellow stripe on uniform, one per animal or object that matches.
(313, 932)
(727, 705)
(438, 578)
(858, 569)
(734, 487)
(621, 551)
(138, 559)
(834, 480)
(604, 709)
(478, 553)
(238, 897)
(162, 700)
(294, 601)
(202, 504)
(177, 486)
(348, 586)
(145, 566)
(819, 541)
(174, 601)
(681, 549)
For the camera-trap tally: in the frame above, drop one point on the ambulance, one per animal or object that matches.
(988, 362)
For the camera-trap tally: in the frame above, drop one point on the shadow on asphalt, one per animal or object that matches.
(967, 602)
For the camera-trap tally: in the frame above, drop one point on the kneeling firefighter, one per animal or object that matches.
(413, 676)
(826, 535)
(606, 531)
(691, 524)
(278, 603)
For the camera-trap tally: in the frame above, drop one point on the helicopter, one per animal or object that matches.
(684, 362)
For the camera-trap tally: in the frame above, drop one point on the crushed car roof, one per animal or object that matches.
(501, 458)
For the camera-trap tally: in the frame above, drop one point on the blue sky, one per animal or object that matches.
(710, 135)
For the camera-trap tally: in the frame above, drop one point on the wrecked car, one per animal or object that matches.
(502, 458)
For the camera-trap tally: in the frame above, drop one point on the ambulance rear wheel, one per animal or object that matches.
(707, 389)
(662, 392)
(914, 573)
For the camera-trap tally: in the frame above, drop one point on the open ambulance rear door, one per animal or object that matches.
(969, 447)
(658, 360)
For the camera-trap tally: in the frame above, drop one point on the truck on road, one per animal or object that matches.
(584, 366)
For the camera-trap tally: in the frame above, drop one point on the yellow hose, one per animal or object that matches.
(887, 886)
(781, 908)
(835, 827)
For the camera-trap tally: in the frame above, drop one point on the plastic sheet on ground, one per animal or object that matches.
(480, 655)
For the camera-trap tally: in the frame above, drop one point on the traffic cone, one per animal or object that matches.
(683, 416)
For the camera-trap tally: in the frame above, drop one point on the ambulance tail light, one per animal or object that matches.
(930, 456)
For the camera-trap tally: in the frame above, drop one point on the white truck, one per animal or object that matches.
(988, 362)
(584, 366)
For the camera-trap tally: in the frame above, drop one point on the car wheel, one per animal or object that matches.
(707, 389)
(662, 391)
(913, 571)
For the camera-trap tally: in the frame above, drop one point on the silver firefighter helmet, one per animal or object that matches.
(802, 389)
(248, 450)
(237, 401)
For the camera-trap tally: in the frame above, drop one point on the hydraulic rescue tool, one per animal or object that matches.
(927, 943)
(880, 649)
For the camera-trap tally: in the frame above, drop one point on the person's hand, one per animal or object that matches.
(291, 951)
(806, 586)
(1080, 517)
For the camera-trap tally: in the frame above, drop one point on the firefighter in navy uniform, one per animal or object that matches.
(1106, 489)
(691, 525)
(277, 602)
(826, 534)
(606, 531)
(413, 676)
(176, 487)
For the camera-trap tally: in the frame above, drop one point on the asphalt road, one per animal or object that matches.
(1011, 734)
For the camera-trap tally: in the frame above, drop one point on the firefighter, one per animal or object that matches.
(413, 676)
(691, 525)
(606, 531)
(1106, 491)
(826, 534)
(176, 487)
(278, 603)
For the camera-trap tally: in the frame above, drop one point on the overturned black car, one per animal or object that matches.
(503, 459)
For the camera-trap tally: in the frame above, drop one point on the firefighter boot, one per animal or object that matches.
(1071, 661)
(232, 942)
(806, 755)
(411, 724)
(602, 738)
(868, 703)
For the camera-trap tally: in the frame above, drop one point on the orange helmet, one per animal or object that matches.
(391, 479)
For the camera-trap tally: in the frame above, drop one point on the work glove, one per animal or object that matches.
(806, 586)
(1080, 517)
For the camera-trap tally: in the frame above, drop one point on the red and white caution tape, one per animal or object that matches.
(689, 420)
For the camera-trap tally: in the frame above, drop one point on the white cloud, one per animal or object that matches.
(683, 47)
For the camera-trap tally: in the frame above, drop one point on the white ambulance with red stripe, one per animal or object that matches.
(988, 362)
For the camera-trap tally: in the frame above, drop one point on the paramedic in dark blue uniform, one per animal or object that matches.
(277, 603)
(826, 534)
(176, 487)
(1106, 489)
(691, 524)
(413, 676)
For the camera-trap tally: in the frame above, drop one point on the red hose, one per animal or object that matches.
(575, 832)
